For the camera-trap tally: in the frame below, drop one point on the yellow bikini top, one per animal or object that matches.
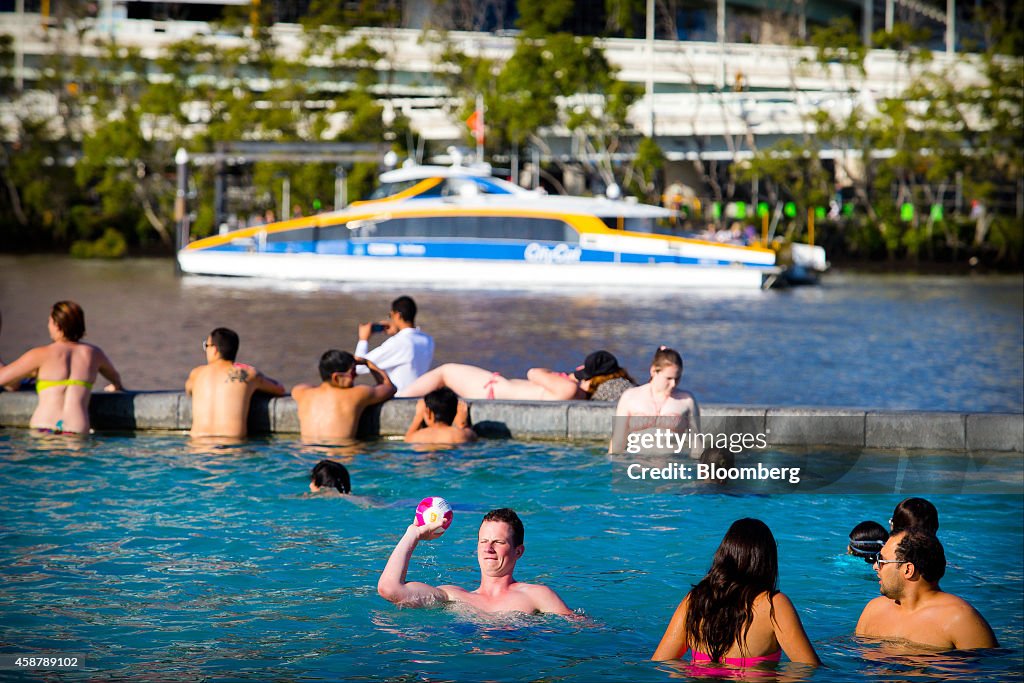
(47, 383)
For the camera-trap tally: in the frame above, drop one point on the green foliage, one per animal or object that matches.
(538, 18)
(110, 246)
(623, 15)
(344, 16)
(6, 63)
(105, 162)
(559, 80)
(939, 137)
(650, 159)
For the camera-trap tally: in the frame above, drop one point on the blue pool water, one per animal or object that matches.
(153, 560)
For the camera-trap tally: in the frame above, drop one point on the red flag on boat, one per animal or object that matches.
(476, 125)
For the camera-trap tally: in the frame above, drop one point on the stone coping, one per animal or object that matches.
(582, 420)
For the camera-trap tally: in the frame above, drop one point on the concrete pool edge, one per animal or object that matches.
(582, 420)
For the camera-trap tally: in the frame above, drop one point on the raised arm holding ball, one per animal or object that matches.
(499, 548)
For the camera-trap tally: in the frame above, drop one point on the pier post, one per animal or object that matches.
(181, 201)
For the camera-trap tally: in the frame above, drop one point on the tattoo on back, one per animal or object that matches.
(237, 374)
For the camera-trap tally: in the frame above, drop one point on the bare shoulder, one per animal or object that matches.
(629, 399)
(538, 589)
(964, 625)
(454, 593)
(955, 608)
(542, 598)
(683, 396)
(242, 372)
(879, 604)
(873, 613)
(766, 601)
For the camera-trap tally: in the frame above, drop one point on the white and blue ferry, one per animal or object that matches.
(460, 226)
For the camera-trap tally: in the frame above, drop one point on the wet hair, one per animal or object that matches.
(328, 473)
(720, 611)
(866, 539)
(443, 403)
(665, 356)
(925, 551)
(405, 307)
(226, 342)
(69, 319)
(722, 457)
(917, 513)
(509, 516)
(333, 361)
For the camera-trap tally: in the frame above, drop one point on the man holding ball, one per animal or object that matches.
(500, 547)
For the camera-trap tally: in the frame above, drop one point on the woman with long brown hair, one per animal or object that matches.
(736, 615)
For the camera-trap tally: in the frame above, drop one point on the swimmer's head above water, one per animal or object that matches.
(330, 474)
(443, 405)
(226, 343)
(866, 540)
(336, 362)
(914, 513)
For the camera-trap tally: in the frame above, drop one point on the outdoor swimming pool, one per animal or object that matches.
(151, 560)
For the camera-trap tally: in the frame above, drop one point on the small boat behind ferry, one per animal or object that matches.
(460, 226)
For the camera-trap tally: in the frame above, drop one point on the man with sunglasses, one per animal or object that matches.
(912, 607)
(222, 389)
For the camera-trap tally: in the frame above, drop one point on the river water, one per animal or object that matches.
(873, 341)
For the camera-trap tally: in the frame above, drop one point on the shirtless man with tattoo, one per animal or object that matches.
(222, 389)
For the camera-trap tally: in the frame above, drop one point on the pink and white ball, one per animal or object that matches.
(434, 509)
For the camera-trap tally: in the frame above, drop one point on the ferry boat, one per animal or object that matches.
(460, 226)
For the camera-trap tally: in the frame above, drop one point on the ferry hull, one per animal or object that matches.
(468, 272)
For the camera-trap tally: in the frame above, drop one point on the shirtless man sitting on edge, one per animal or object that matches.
(500, 547)
(332, 410)
(222, 389)
(441, 418)
(659, 404)
(912, 607)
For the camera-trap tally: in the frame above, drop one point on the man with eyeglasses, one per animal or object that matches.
(222, 389)
(912, 607)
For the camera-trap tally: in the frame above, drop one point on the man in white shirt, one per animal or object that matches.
(407, 353)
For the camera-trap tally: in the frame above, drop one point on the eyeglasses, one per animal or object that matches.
(880, 562)
(206, 344)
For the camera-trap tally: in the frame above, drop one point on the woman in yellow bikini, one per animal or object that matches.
(65, 371)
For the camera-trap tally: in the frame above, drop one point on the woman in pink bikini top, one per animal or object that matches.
(736, 614)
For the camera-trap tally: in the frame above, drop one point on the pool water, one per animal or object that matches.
(149, 558)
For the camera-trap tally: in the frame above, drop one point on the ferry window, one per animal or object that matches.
(334, 232)
(303, 235)
(631, 223)
(471, 227)
(389, 189)
(473, 186)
